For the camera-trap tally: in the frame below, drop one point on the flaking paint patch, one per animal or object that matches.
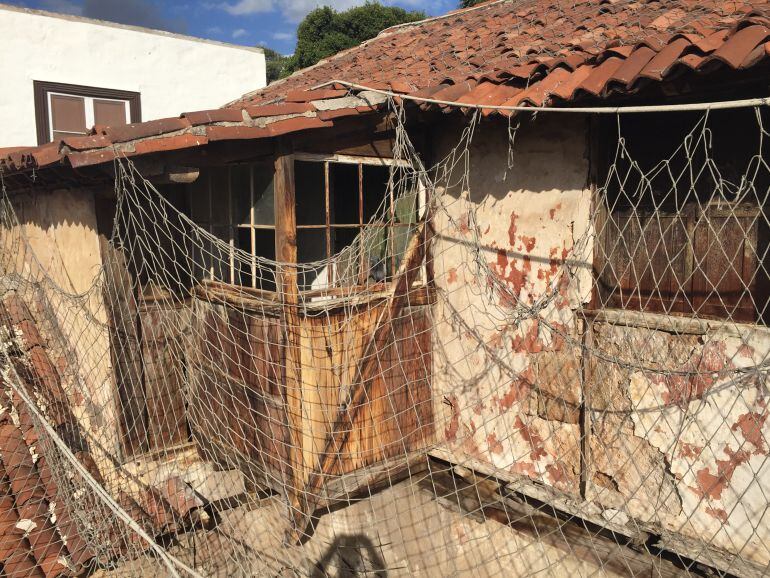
(712, 429)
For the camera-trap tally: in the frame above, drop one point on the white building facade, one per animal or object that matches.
(63, 74)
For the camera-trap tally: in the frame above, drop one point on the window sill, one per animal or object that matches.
(671, 323)
(269, 302)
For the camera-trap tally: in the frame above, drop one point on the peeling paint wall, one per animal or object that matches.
(674, 454)
(684, 453)
(509, 390)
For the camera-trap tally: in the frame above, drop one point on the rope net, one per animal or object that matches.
(509, 362)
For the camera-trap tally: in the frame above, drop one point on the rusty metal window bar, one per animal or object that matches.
(346, 201)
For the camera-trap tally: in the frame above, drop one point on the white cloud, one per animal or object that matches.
(282, 35)
(214, 30)
(242, 7)
(295, 10)
(239, 33)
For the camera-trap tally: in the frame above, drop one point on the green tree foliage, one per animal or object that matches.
(469, 3)
(275, 63)
(325, 32)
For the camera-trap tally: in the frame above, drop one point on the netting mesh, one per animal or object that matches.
(515, 367)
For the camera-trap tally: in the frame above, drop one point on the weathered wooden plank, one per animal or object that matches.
(164, 363)
(374, 341)
(237, 409)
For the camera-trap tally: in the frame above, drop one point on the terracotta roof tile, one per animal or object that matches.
(596, 82)
(279, 109)
(215, 115)
(633, 65)
(604, 47)
(32, 543)
(664, 60)
(169, 143)
(119, 134)
(736, 48)
(308, 95)
(93, 157)
(216, 133)
(338, 113)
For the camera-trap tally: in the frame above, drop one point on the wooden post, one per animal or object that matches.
(286, 253)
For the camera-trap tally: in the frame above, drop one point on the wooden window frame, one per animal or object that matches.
(359, 161)
(42, 89)
(253, 227)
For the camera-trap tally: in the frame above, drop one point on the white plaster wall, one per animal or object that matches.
(173, 73)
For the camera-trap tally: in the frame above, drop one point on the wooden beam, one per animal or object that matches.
(487, 499)
(286, 253)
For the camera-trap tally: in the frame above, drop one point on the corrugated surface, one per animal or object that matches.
(530, 53)
(523, 43)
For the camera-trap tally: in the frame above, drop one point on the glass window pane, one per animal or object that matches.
(240, 188)
(264, 246)
(199, 198)
(110, 112)
(221, 256)
(375, 191)
(264, 195)
(343, 194)
(405, 210)
(399, 240)
(220, 196)
(310, 193)
(68, 113)
(375, 248)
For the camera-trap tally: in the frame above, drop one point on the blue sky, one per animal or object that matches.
(269, 22)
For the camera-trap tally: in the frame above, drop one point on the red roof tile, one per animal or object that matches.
(39, 535)
(547, 52)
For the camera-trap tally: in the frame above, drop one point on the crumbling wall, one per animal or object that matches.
(679, 437)
(506, 383)
(626, 434)
(52, 256)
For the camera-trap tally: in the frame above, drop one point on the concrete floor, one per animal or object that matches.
(402, 531)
